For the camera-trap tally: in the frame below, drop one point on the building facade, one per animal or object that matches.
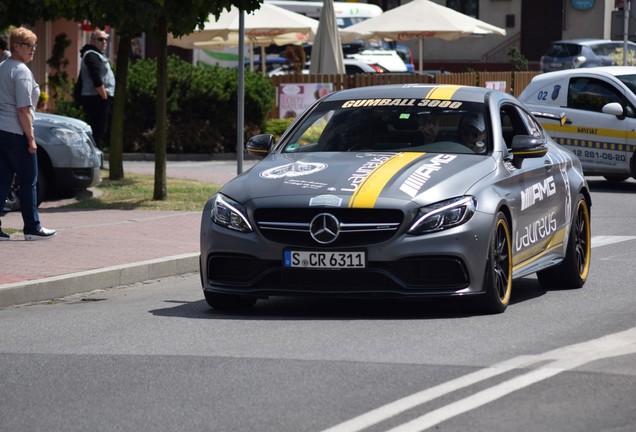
(530, 26)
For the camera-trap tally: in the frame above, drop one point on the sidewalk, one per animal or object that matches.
(98, 249)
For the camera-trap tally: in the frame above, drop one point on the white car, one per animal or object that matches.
(352, 67)
(388, 59)
(600, 107)
(68, 160)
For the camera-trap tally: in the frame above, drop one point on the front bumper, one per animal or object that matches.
(446, 263)
(74, 179)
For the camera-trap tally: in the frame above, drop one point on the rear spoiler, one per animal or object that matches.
(560, 117)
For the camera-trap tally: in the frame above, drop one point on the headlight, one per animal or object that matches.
(443, 215)
(69, 137)
(73, 139)
(230, 214)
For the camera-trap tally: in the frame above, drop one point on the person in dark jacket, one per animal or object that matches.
(98, 85)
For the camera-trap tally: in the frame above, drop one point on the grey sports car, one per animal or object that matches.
(400, 191)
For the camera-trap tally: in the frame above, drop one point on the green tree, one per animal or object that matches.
(517, 60)
(129, 17)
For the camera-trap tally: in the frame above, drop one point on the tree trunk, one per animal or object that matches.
(161, 192)
(116, 149)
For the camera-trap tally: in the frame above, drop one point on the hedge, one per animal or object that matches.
(201, 107)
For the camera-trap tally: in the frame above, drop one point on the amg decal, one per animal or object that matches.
(536, 231)
(537, 192)
(415, 181)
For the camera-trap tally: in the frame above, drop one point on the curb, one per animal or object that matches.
(75, 283)
(183, 157)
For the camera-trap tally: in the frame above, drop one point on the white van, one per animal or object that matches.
(346, 13)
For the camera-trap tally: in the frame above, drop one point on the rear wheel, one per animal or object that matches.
(573, 270)
(498, 278)
(228, 302)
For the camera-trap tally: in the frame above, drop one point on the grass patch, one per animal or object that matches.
(135, 191)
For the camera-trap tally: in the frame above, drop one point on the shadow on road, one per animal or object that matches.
(318, 308)
(599, 184)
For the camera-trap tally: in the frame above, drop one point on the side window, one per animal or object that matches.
(512, 123)
(591, 94)
(533, 126)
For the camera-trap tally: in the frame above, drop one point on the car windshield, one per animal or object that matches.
(629, 81)
(392, 125)
(606, 49)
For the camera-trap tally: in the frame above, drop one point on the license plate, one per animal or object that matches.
(556, 65)
(324, 260)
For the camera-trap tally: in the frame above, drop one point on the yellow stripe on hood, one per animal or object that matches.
(369, 190)
(443, 93)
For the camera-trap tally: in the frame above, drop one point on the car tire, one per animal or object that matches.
(46, 179)
(13, 201)
(41, 187)
(498, 277)
(572, 272)
(228, 302)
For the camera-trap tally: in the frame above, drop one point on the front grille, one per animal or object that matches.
(358, 227)
(404, 276)
(236, 268)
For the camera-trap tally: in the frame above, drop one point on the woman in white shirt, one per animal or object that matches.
(19, 94)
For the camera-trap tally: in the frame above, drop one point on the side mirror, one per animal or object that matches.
(615, 109)
(526, 146)
(260, 145)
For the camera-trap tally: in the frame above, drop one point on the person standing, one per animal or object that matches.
(429, 127)
(98, 85)
(19, 95)
(473, 133)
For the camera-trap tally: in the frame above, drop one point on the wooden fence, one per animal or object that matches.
(515, 81)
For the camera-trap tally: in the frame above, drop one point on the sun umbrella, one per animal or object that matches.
(420, 19)
(326, 52)
(265, 26)
(268, 25)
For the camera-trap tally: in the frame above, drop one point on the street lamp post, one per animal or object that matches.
(626, 10)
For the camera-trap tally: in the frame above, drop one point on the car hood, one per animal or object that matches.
(54, 120)
(358, 179)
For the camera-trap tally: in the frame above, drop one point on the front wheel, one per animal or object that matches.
(228, 302)
(573, 270)
(498, 277)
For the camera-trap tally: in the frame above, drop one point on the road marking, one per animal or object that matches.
(435, 417)
(547, 365)
(607, 240)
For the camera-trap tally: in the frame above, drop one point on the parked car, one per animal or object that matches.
(68, 160)
(584, 53)
(600, 107)
(352, 67)
(354, 201)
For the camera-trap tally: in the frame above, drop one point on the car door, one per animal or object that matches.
(537, 207)
(598, 139)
